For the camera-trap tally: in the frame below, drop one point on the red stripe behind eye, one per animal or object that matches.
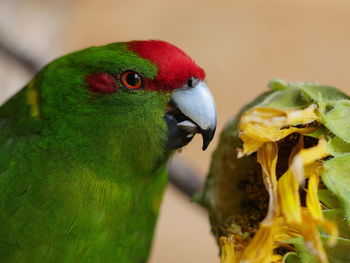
(101, 82)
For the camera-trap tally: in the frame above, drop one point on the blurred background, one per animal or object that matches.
(241, 45)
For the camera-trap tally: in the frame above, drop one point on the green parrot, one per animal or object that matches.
(84, 147)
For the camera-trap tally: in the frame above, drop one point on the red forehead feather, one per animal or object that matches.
(175, 67)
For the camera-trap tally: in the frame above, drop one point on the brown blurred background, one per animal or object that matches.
(241, 45)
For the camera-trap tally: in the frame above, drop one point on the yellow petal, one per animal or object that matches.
(308, 157)
(332, 229)
(312, 201)
(311, 237)
(315, 167)
(285, 232)
(312, 154)
(267, 157)
(288, 193)
(260, 248)
(273, 117)
(304, 116)
(254, 135)
(262, 124)
(250, 145)
(227, 251)
(314, 209)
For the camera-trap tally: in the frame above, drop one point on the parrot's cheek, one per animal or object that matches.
(191, 110)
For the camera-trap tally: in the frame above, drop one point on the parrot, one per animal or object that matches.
(84, 149)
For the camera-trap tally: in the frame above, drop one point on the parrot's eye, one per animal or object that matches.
(131, 80)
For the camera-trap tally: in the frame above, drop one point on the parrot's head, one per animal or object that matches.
(146, 88)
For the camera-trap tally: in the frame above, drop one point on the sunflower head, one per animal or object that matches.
(278, 184)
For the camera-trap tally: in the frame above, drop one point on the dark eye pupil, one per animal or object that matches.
(132, 79)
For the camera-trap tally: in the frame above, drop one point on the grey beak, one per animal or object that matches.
(198, 105)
